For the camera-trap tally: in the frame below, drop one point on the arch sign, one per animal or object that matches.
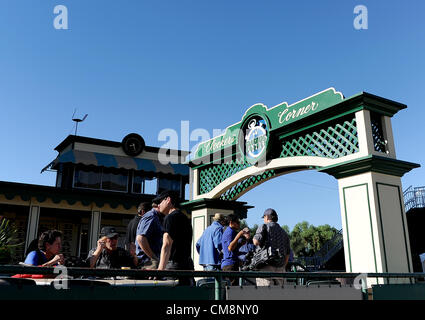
(252, 134)
(348, 138)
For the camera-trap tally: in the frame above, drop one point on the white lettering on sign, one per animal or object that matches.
(287, 115)
(216, 145)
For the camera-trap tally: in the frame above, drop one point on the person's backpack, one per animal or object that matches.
(268, 254)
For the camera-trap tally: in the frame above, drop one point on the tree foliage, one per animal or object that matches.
(8, 240)
(306, 239)
(8, 234)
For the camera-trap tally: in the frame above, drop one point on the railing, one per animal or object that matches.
(217, 275)
(326, 252)
(414, 198)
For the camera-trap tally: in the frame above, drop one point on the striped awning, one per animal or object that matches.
(112, 161)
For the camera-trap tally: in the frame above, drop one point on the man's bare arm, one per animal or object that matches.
(167, 242)
(144, 244)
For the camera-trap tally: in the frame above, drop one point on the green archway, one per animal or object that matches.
(350, 139)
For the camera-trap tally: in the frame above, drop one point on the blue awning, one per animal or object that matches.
(112, 161)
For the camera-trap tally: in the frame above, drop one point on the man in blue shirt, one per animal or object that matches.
(229, 242)
(149, 239)
(209, 244)
(245, 246)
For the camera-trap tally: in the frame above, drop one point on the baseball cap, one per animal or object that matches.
(108, 232)
(270, 212)
(165, 194)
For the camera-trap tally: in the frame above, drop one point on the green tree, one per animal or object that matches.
(8, 240)
(307, 239)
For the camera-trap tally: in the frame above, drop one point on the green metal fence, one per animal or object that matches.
(180, 292)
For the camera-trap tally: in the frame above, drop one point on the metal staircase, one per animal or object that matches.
(414, 197)
(326, 252)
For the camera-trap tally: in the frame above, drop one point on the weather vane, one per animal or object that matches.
(77, 121)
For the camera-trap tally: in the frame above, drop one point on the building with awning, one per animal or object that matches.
(98, 183)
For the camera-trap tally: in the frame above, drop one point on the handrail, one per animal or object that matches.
(414, 197)
(326, 252)
(217, 275)
(135, 273)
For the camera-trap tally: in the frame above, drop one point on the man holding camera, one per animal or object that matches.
(230, 246)
(107, 254)
(271, 237)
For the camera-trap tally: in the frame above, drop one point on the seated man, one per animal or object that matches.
(108, 255)
(47, 254)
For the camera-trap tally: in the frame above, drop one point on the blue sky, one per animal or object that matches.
(143, 66)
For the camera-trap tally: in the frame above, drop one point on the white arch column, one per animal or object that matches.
(374, 222)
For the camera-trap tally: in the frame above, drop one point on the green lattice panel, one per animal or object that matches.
(333, 142)
(213, 175)
(377, 134)
(233, 192)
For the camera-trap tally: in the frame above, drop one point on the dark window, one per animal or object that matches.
(151, 186)
(106, 179)
(167, 184)
(144, 184)
(87, 178)
(138, 184)
(114, 181)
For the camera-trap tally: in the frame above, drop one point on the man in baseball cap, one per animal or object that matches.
(271, 237)
(108, 232)
(167, 194)
(271, 214)
(107, 255)
(177, 238)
